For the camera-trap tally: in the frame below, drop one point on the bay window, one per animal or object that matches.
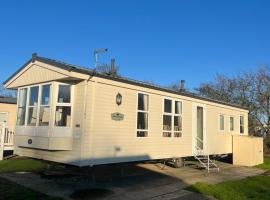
(142, 115)
(22, 97)
(63, 106)
(172, 118)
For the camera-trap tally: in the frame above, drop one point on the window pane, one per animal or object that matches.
(22, 97)
(63, 116)
(167, 105)
(167, 122)
(32, 116)
(178, 107)
(142, 102)
(221, 122)
(44, 116)
(241, 124)
(142, 133)
(45, 97)
(167, 134)
(64, 94)
(3, 117)
(231, 124)
(33, 101)
(21, 116)
(142, 120)
(177, 134)
(177, 123)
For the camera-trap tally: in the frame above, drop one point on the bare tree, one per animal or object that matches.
(251, 90)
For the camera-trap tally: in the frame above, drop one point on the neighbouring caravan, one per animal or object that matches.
(78, 116)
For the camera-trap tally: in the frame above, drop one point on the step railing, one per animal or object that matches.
(6, 138)
(201, 154)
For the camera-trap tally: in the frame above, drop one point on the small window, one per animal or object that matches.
(22, 96)
(33, 106)
(142, 115)
(231, 123)
(221, 122)
(172, 118)
(167, 105)
(241, 124)
(64, 92)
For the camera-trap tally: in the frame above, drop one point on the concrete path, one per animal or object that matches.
(154, 183)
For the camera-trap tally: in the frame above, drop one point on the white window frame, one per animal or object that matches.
(172, 115)
(142, 111)
(220, 130)
(57, 84)
(241, 125)
(230, 123)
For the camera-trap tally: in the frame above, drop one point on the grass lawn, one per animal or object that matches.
(257, 187)
(22, 165)
(266, 164)
(27, 165)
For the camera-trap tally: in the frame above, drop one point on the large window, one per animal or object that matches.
(142, 115)
(241, 124)
(221, 122)
(22, 96)
(231, 123)
(32, 106)
(63, 106)
(172, 118)
(44, 109)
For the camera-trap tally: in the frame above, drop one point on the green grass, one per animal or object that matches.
(10, 190)
(266, 164)
(256, 188)
(22, 165)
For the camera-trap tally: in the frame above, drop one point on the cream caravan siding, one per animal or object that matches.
(39, 72)
(70, 156)
(113, 141)
(10, 109)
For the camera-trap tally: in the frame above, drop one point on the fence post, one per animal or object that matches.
(2, 139)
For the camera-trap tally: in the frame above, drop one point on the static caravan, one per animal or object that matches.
(75, 115)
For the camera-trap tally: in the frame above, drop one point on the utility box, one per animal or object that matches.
(247, 150)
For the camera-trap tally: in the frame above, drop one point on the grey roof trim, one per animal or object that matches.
(84, 70)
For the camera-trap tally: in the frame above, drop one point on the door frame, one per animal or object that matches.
(194, 125)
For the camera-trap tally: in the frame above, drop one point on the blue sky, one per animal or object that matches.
(158, 41)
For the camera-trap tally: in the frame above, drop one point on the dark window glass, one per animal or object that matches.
(33, 101)
(63, 116)
(32, 116)
(142, 120)
(64, 94)
(45, 97)
(44, 116)
(142, 102)
(178, 107)
(167, 122)
(167, 105)
(142, 133)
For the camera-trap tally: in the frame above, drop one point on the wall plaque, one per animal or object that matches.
(117, 116)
